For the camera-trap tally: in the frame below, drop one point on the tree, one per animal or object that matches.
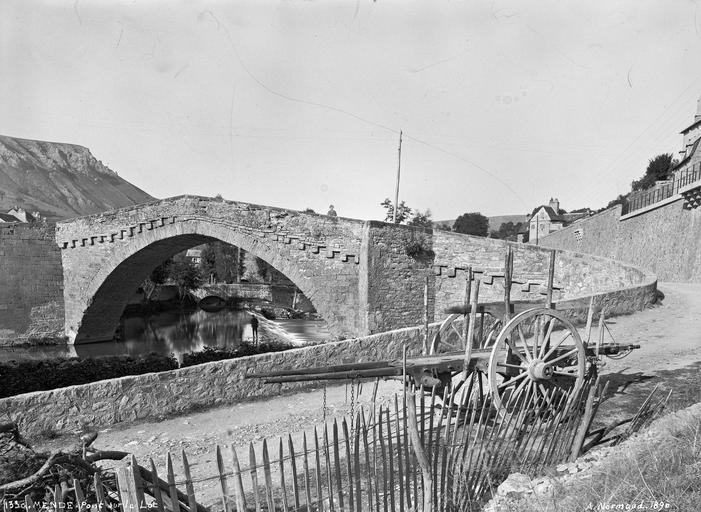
(403, 211)
(472, 224)
(658, 168)
(186, 276)
(421, 220)
(507, 231)
(159, 275)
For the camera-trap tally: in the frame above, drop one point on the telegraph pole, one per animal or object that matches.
(396, 190)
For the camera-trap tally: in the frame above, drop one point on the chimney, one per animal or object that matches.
(555, 205)
(697, 117)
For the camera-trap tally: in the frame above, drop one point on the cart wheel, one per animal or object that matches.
(450, 336)
(471, 388)
(539, 353)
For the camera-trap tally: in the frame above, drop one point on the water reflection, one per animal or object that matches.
(180, 332)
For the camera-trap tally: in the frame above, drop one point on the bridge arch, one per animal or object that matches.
(93, 309)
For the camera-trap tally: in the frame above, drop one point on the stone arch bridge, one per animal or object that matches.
(362, 276)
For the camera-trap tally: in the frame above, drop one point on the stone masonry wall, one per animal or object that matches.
(666, 240)
(393, 280)
(152, 396)
(31, 285)
(576, 275)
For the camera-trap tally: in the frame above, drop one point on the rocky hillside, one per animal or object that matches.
(60, 180)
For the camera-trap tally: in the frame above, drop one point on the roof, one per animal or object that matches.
(689, 154)
(557, 217)
(691, 126)
(6, 217)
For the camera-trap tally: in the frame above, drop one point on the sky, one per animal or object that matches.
(299, 104)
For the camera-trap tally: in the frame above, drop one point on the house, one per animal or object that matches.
(691, 152)
(21, 215)
(6, 218)
(548, 218)
(194, 256)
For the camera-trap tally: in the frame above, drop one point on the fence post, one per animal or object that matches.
(130, 486)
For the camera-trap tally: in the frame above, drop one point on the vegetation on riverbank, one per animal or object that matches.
(20, 377)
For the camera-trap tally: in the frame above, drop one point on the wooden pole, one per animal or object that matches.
(508, 268)
(425, 347)
(396, 189)
(551, 280)
(468, 298)
(590, 318)
(471, 329)
(419, 451)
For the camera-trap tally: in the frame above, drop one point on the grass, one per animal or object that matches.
(660, 473)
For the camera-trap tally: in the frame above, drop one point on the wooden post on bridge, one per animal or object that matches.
(425, 346)
(508, 270)
(551, 280)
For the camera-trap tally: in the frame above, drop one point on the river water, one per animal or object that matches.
(180, 332)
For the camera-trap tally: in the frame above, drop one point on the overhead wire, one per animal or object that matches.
(356, 116)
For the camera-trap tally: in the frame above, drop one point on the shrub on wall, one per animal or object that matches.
(27, 376)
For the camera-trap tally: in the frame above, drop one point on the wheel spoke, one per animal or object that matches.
(565, 374)
(554, 347)
(537, 341)
(460, 340)
(546, 339)
(563, 356)
(523, 340)
(513, 348)
(509, 365)
(511, 381)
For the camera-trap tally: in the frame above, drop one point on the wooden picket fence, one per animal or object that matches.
(439, 453)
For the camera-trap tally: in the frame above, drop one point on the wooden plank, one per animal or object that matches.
(222, 482)
(356, 464)
(337, 466)
(157, 496)
(28, 503)
(307, 488)
(189, 489)
(349, 465)
(437, 451)
(79, 496)
(254, 475)
(390, 453)
(368, 474)
(99, 492)
(238, 481)
(317, 471)
(383, 456)
(172, 490)
(267, 476)
(283, 487)
(400, 454)
(293, 464)
(329, 468)
(420, 453)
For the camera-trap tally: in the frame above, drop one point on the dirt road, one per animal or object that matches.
(670, 335)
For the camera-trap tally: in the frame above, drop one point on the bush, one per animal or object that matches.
(27, 376)
(209, 354)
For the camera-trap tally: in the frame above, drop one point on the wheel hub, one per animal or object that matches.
(540, 370)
